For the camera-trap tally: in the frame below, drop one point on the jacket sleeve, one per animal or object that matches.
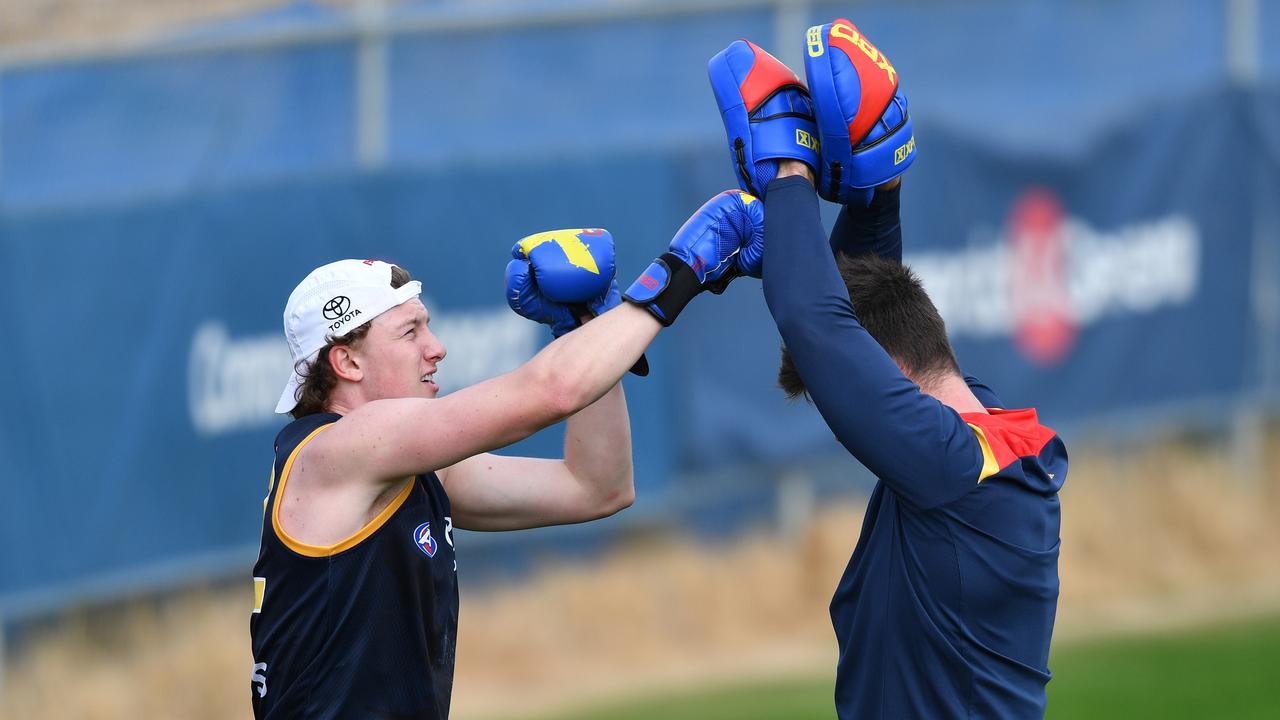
(919, 447)
(876, 228)
(985, 395)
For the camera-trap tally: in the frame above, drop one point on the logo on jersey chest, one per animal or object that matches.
(422, 538)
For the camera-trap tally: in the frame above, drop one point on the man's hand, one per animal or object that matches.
(791, 168)
(703, 255)
(766, 112)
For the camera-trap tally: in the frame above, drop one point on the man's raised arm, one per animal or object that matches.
(920, 447)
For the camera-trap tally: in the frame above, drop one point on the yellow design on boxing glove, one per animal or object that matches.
(575, 251)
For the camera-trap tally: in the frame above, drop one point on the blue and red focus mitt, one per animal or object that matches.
(862, 119)
(766, 112)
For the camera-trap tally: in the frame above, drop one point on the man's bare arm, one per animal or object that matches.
(387, 440)
(594, 480)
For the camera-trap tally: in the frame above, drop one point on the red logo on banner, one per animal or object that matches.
(1044, 329)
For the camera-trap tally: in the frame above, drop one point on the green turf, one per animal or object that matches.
(1219, 672)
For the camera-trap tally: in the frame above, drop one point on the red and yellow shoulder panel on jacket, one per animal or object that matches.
(1007, 436)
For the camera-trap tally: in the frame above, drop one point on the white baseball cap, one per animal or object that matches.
(331, 302)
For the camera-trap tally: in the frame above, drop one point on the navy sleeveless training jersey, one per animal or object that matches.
(362, 629)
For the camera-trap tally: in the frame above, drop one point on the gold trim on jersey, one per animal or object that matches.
(326, 550)
(989, 465)
(259, 592)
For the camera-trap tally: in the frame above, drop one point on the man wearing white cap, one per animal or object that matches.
(356, 596)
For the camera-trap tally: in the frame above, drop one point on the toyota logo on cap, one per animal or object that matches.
(337, 307)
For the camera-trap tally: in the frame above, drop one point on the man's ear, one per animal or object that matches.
(344, 363)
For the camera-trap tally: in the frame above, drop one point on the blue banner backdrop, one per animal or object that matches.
(147, 349)
(1106, 245)
(150, 352)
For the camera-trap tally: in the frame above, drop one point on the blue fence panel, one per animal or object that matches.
(94, 132)
(1268, 26)
(1264, 154)
(552, 90)
(1039, 76)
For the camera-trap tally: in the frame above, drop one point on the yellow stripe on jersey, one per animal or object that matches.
(271, 482)
(326, 550)
(259, 590)
(989, 465)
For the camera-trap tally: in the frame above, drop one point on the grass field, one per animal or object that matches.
(1219, 672)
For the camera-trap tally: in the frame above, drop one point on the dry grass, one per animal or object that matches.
(1159, 538)
(1166, 535)
(187, 659)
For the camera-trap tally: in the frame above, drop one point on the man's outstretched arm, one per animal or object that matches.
(877, 229)
(595, 478)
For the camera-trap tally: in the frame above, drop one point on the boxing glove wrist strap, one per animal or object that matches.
(664, 288)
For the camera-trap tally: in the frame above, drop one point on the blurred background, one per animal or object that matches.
(1094, 209)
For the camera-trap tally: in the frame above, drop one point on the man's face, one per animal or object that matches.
(400, 354)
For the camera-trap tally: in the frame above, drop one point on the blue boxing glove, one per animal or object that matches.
(561, 275)
(862, 119)
(558, 277)
(703, 255)
(766, 112)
